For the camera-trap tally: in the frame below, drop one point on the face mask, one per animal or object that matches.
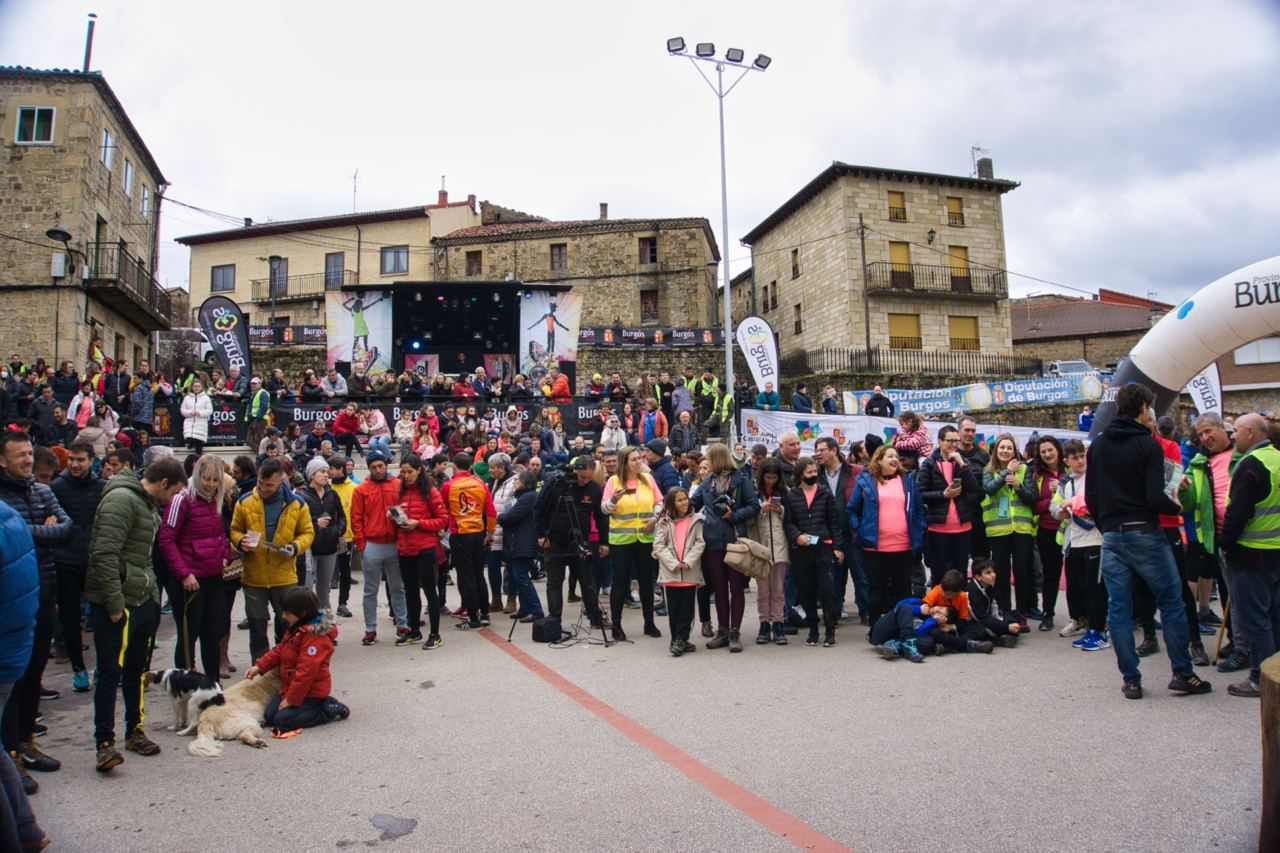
(810, 479)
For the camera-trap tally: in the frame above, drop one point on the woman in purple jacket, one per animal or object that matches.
(195, 545)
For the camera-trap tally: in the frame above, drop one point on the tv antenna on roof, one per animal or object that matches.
(974, 150)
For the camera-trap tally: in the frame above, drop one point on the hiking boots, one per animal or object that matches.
(779, 634)
(765, 634)
(108, 757)
(29, 785)
(139, 742)
(735, 640)
(910, 652)
(890, 650)
(31, 757)
(1148, 646)
(1132, 690)
(706, 630)
(982, 647)
(720, 640)
(1191, 684)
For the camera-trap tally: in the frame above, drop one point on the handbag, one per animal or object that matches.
(749, 557)
(233, 568)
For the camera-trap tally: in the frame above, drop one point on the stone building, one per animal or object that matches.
(74, 161)
(932, 277)
(1100, 330)
(279, 272)
(632, 272)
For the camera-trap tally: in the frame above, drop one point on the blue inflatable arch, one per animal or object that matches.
(1234, 310)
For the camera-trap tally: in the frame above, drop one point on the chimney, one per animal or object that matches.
(985, 170)
(471, 203)
(604, 210)
(443, 198)
(248, 221)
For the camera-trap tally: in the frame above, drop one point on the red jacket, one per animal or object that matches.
(432, 518)
(369, 504)
(463, 389)
(560, 390)
(1174, 455)
(303, 659)
(346, 423)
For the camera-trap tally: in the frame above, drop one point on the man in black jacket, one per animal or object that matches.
(976, 458)
(1126, 504)
(115, 389)
(878, 406)
(78, 491)
(49, 527)
(65, 384)
(564, 511)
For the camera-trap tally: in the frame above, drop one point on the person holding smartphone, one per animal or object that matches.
(816, 534)
(947, 484)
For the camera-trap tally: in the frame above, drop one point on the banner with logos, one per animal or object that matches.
(761, 427)
(223, 325)
(1082, 388)
(760, 348)
(268, 336)
(358, 329)
(649, 336)
(1206, 390)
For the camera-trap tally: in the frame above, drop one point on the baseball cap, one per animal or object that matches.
(583, 463)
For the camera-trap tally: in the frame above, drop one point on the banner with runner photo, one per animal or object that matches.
(358, 329)
(548, 330)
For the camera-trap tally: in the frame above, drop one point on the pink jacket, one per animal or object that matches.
(192, 538)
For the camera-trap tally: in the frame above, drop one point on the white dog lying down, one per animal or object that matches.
(238, 718)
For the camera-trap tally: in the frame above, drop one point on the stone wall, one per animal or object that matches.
(630, 362)
(1099, 350)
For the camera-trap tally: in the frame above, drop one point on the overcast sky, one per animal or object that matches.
(1146, 136)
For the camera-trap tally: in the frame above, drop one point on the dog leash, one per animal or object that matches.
(186, 620)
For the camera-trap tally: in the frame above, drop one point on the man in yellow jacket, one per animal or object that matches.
(271, 527)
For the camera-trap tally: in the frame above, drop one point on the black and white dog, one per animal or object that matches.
(191, 692)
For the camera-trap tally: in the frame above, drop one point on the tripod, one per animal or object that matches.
(586, 581)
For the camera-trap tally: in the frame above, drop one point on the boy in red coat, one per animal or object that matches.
(302, 657)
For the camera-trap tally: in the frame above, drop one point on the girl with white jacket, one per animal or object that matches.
(197, 409)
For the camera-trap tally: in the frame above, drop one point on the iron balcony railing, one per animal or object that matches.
(886, 277)
(309, 286)
(886, 361)
(111, 264)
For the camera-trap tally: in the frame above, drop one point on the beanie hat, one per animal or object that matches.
(317, 464)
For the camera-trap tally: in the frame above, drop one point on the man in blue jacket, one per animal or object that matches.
(664, 474)
(19, 600)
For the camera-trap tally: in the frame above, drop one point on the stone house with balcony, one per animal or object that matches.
(870, 258)
(279, 272)
(74, 161)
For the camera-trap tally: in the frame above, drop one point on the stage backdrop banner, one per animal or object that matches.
(499, 367)
(1083, 388)
(755, 339)
(1206, 390)
(425, 365)
(358, 329)
(548, 330)
(761, 427)
(223, 324)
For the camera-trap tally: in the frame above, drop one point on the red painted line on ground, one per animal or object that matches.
(770, 817)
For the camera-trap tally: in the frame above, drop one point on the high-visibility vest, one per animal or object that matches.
(1004, 512)
(630, 512)
(1262, 531)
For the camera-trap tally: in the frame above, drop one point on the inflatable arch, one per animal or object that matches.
(1234, 310)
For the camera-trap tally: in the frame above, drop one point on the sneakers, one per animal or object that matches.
(1088, 637)
(1208, 617)
(139, 742)
(1046, 624)
(1190, 684)
(1234, 663)
(370, 637)
(1148, 646)
(1198, 656)
(890, 650)
(345, 611)
(1247, 689)
(910, 652)
(31, 757)
(829, 638)
(46, 694)
(677, 648)
(468, 626)
(1132, 690)
(687, 647)
(766, 634)
(1073, 628)
(333, 709)
(242, 625)
(1207, 630)
(433, 642)
(80, 681)
(1035, 613)
(779, 634)
(982, 647)
(409, 638)
(108, 757)
(1096, 643)
(812, 639)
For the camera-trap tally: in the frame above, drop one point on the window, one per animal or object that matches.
(958, 259)
(144, 200)
(559, 256)
(764, 302)
(648, 250)
(279, 276)
(648, 307)
(795, 265)
(395, 260)
(35, 126)
(798, 318)
(222, 279)
(900, 275)
(904, 331)
(964, 333)
(774, 299)
(127, 183)
(334, 265)
(955, 210)
(474, 265)
(108, 148)
(897, 206)
(1264, 351)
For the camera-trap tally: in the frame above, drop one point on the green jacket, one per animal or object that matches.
(1198, 496)
(119, 572)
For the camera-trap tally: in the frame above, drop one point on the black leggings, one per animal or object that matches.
(639, 555)
(704, 603)
(1012, 553)
(196, 445)
(344, 576)
(680, 603)
(418, 572)
(888, 579)
(811, 567)
(70, 588)
(1084, 573)
(205, 622)
(1051, 561)
(348, 442)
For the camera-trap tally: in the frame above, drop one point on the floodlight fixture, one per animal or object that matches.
(762, 62)
(705, 49)
(675, 45)
(734, 54)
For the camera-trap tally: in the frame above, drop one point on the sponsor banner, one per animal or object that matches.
(223, 325)
(1082, 388)
(1206, 390)
(358, 329)
(266, 336)
(649, 336)
(760, 427)
(548, 330)
(760, 348)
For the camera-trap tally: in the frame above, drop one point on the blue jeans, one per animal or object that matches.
(17, 821)
(1255, 607)
(382, 443)
(1129, 553)
(518, 569)
(493, 563)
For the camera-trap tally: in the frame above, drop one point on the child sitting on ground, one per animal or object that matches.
(302, 657)
(985, 608)
(906, 631)
(950, 593)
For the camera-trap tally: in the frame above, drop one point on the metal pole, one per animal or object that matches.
(724, 251)
(866, 303)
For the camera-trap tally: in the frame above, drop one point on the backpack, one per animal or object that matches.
(548, 630)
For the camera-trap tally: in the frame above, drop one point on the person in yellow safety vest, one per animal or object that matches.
(633, 503)
(1251, 540)
(1010, 523)
(721, 414)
